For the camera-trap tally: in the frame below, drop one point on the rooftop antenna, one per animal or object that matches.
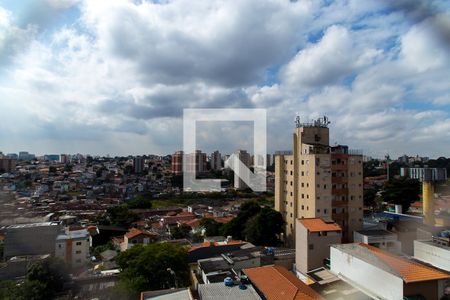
(297, 120)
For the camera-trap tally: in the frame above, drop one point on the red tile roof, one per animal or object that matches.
(317, 224)
(134, 232)
(409, 270)
(277, 283)
(215, 244)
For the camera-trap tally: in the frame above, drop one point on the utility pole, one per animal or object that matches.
(387, 166)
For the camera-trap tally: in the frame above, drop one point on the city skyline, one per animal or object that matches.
(113, 77)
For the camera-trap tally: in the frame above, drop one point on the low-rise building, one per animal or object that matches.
(313, 239)
(379, 238)
(135, 236)
(435, 252)
(73, 247)
(384, 275)
(31, 239)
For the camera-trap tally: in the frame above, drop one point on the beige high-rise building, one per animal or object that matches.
(303, 177)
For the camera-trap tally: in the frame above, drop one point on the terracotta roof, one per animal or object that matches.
(409, 270)
(193, 223)
(215, 244)
(317, 224)
(277, 283)
(223, 220)
(134, 232)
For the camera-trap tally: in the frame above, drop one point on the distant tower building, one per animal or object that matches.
(138, 164)
(196, 162)
(245, 158)
(177, 163)
(304, 183)
(269, 160)
(7, 164)
(64, 159)
(216, 160)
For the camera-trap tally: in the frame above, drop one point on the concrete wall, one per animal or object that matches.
(433, 255)
(377, 281)
(307, 259)
(30, 240)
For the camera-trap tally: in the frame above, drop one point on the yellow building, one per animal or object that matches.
(304, 185)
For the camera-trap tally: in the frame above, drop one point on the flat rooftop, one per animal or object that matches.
(375, 232)
(329, 286)
(31, 225)
(219, 291)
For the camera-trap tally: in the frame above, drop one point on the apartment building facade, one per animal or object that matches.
(304, 184)
(347, 190)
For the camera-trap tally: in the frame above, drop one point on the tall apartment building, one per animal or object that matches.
(138, 164)
(7, 164)
(177, 163)
(304, 183)
(216, 160)
(245, 158)
(195, 162)
(347, 190)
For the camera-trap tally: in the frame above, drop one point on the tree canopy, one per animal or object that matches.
(146, 267)
(180, 232)
(264, 228)
(260, 226)
(402, 191)
(44, 280)
(212, 227)
(118, 215)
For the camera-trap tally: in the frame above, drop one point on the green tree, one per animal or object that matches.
(370, 197)
(44, 280)
(212, 227)
(264, 228)
(180, 232)
(120, 215)
(402, 191)
(236, 226)
(9, 290)
(139, 202)
(146, 267)
(52, 169)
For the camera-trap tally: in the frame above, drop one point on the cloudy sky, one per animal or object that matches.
(113, 77)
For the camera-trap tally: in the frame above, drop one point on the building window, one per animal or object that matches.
(303, 173)
(78, 243)
(318, 210)
(303, 185)
(291, 172)
(291, 183)
(291, 162)
(303, 207)
(78, 252)
(303, 196)
(311, 246)
(325, 186)
(303, 162)
(307, 208)
(307, 196)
